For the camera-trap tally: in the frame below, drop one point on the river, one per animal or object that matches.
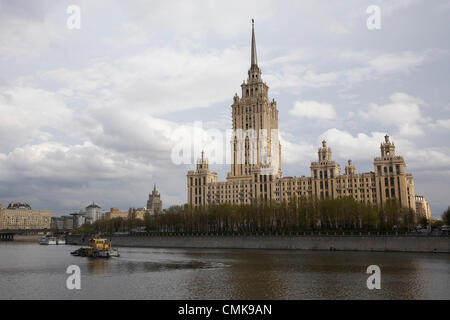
(31, 271)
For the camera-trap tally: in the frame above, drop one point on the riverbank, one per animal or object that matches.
(27, 237)
(438, 244)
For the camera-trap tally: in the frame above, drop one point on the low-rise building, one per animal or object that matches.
(116, 213)
(20, 216)
(79, 218)
(62, 223)
(138, 213)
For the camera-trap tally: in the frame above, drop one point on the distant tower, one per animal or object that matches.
(392, 181)
(154, 203)
(324, 173)
(198, 181)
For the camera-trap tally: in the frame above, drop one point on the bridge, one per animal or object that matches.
(6, 236)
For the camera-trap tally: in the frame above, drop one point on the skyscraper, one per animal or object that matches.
(256, 161)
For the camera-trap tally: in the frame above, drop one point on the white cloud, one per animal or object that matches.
(313, 109)
(157, 81)
(227, 18)
(396, 62)
(25, 111)
(27, 30)
(429, 159)
(403, 112)
(300, 154)
(443, 123)
(365, 147)
(346, 146)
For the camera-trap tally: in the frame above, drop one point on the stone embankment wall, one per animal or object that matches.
(340, 243)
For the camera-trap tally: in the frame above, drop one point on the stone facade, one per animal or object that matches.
(154, 203)
(116, 213)
(138, 213)
(22, 217)
(256, 175)
(422, 207)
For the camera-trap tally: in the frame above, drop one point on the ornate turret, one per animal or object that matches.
(387, 148)
(350, 168)
(324, 152)
(202, 163)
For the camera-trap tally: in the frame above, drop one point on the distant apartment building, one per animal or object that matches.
(20, 216)
(94, 212)
(62, 223)
(422, 207)
(79, 218)
(57, 223)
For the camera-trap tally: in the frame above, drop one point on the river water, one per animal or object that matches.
(31, 271)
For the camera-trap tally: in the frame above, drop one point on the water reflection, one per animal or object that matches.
(30, 271)
(97, 266)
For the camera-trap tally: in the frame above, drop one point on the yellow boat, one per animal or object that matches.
(98, 248)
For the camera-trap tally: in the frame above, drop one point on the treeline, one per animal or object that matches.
(110, 226)
(299, 215)
(304, 214)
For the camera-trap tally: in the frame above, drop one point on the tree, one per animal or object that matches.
(423, 221)
(446, 216)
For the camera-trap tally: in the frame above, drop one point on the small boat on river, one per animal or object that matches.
(98, 248)
(46, 240)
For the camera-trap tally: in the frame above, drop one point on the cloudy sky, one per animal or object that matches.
(92, 114)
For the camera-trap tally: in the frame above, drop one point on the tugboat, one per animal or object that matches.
(98, 248)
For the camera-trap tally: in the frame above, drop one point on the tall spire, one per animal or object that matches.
(254, 61)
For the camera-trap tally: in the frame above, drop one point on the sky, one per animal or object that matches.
(94, 114)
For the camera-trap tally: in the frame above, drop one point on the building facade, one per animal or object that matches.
(154, 203)
(256, 162)
(116, 213)
(20, 216)
(94, 212)
(62, 223)
(422, 207)
(79, 218)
